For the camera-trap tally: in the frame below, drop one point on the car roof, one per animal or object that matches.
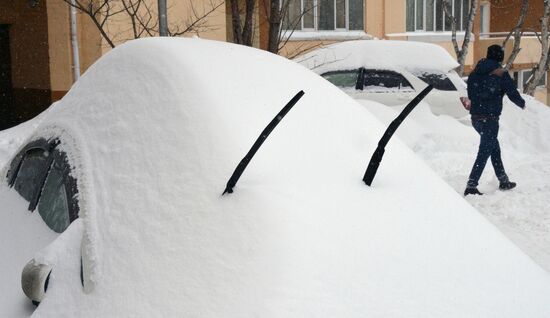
(155, 128)
(381, 54)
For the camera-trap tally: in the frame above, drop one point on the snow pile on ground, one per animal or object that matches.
(155, 129)
(352, 55)
(450, 146)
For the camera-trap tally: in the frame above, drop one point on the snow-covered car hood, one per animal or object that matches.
(154, 130)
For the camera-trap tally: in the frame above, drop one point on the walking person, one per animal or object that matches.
(487, 85)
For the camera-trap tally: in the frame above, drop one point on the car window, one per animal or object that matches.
(438, 80)
(41, 174)
(53, 205)
(31, 172)
(342, 78)
(384, 81)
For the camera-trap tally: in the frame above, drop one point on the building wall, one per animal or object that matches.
(296, 48)
(30, 69)
(61, 76)
(394, 16)
(374, 18)
(180, 17)
(60, 49)
(505, 13)
(29, 43)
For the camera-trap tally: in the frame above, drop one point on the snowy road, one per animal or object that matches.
(449, 146)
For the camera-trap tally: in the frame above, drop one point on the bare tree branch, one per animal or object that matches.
(98, 14)
(198, 21)
(542, 67)
(517, 32)
(277, 13)
(141, 16)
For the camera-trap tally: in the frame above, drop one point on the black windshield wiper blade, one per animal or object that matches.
(379, 152)
(265, 133)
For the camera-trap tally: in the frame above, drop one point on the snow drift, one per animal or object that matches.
(154, 130)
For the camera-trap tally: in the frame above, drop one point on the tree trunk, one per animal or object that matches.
(467, 36)
(274, 26)
(236, 21)
(542, 67)
(517, 32)
(462, 53)
(248, 23)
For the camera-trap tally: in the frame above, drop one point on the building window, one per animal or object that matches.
(485, 17)
(429, 15)
(324, 15)
(522, 77)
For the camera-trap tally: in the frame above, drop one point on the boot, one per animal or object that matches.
(507, 185)
(472, 191)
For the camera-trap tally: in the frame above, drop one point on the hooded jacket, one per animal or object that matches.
(487, 85)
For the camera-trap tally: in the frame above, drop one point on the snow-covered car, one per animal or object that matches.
(391, 72)
(135, 159)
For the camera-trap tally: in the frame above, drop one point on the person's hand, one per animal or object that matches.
(498, 72)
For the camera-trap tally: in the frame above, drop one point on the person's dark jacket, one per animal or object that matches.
(487, 85)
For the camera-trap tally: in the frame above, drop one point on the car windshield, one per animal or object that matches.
(381, 81)
(437, 79)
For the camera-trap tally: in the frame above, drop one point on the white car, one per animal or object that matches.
(130, 167)
(391, 72)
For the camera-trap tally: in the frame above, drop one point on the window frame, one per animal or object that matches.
(519, 77)
(485, 17)
(316, 17)
(460, 24)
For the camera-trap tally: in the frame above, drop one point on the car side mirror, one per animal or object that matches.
(34, 280)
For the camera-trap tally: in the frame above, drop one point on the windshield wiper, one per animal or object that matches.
(263, 136)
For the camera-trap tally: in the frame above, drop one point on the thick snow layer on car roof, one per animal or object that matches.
(155, 129)
(378, 54)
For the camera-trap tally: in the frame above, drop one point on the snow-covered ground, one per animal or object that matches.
(449, 146)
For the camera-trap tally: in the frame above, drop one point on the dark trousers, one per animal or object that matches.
(488, 147)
